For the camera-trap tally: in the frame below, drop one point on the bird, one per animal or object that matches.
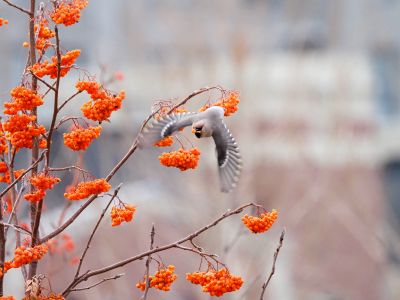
(209, 123)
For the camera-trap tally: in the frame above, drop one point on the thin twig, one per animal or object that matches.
(146, 290)
(95, 229)
(122, 263)
(43, 81)
(17, 228)
(98, 283)
(69, 99)
(18, 7)
(13, 215)
(68, 169)
(264, 286)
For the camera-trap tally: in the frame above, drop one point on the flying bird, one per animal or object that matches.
(204, 124)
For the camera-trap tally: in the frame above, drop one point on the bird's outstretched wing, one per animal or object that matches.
(229, 158)
(164, 127)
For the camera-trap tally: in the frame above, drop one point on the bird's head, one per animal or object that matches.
(197, 129)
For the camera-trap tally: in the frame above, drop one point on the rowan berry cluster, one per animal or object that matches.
(3, 22)
(161, 280)
(5, 177)
(44, 34)
(100, 109)
(165, 142)
(181, 159)
(216, 283)
(41, 182)
(81, 138)
(122, 214)
(47, 68)
(68, 13)
(85, 189)
(261, 223)
(21, 129)
(23, 99)
(103, 103)
(228, 103)
(7, 298)
(25, 255)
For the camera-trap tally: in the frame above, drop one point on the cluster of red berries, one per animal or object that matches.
(216, 283)
(44, 34)
(5, 177)
(161, 280)
(81, 138)
(181, 159)
(165, 142)
(25, 255)
(122, 214)
(228, 103)
(47, 68)
(261, 223)
(42, 183)
(23, 99)
(68, 13)
(103, 103)
(85, 189)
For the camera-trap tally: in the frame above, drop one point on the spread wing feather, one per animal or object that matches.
(164, 127)
(229, 158)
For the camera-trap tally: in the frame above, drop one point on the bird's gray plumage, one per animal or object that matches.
(206, 124)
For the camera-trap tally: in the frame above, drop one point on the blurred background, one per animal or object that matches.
(318, 126)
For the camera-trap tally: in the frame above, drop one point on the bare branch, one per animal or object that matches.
(95, 229)
(122, 263)
(43, 81)
(264, 286)
(98, 283)
(17, 7)
(69, 99)
(146, 290)
(17, 228)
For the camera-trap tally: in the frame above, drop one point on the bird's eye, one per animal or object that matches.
(198, 128)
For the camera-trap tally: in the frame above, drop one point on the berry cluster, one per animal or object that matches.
(261, 223)
(229, 103)
(7, 298)
(5, 177)
(68, 13)
(41, 182)
(181, 159)
(50, 68)
(85, 189)
(3, 22)
(25, 255)
(165, 142)
(23, 99)
(81, 138)
(44, 34)
(161, 280)
(122, 214)
(103, 103)
(101, 108)
(216, 283)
